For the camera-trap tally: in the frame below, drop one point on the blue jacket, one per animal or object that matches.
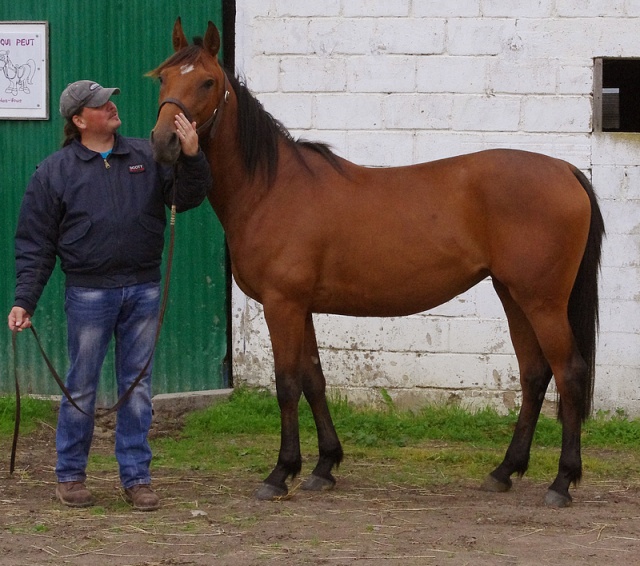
(104, 219)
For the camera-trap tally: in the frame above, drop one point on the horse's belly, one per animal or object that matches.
(393, 296)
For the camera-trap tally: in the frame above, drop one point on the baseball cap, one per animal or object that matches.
(83, 94)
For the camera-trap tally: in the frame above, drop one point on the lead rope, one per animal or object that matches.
(54, 373)
(16, 427)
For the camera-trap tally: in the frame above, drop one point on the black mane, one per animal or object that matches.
(259, 132)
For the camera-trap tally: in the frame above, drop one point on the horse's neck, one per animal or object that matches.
(9, 66)
(235, 194)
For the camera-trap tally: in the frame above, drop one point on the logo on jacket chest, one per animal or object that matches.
(136, 168)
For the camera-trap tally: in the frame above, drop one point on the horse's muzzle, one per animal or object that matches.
(166, 146)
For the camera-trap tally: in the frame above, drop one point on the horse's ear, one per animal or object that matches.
(212, 39)
(179, 40)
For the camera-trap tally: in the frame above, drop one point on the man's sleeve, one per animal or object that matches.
(194, 181)
(35, 244)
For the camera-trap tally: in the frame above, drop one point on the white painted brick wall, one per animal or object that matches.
(375, 8)
(395, 82)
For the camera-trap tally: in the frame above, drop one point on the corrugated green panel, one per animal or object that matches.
(116, 43)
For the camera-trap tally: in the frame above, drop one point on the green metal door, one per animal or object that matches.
(115, 43)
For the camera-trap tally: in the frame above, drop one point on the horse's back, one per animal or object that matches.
(481, 200)
(476, 201)
(392, 241)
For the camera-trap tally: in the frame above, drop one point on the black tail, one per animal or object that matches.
(583, 303)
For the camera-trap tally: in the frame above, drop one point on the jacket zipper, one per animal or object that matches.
(113, 181)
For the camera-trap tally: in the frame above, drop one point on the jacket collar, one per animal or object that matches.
(120, 147)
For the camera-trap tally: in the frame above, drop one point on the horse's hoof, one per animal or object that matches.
(316, 483)
(268, 492)
(494, 485)
(555, 499)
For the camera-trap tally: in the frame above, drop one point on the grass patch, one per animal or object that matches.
(32, 411)
(256, 412)
(437, 444)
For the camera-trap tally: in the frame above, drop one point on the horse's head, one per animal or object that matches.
(191, 81)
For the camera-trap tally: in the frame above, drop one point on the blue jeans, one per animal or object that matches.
(93, 317)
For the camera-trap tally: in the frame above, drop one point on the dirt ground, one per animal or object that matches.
(208, 520)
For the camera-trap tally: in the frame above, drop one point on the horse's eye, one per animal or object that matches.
(160, 80)
(209, 84)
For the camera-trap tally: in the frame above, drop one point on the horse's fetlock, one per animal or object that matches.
(293, 467)
(334, 454)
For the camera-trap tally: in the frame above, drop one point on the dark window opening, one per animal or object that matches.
(617, 95)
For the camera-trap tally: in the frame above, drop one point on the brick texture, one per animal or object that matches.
(395, 82)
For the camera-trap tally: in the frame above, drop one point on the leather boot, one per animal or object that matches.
(74, 494)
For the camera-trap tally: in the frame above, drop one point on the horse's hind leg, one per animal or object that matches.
(572, 379)
(314, 386)
(535, 374)
(549, 324)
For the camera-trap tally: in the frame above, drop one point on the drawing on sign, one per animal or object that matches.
(19, 76)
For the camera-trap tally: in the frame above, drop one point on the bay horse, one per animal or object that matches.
(310, 232)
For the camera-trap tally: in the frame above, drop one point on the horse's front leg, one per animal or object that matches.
(314, 388)
(286, 323)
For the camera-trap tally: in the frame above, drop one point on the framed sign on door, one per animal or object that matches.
(24, 70)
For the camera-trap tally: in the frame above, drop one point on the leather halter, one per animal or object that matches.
(213, 121)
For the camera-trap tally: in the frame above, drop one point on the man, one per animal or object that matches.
(99, 204)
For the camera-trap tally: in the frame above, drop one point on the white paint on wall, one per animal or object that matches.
(395, 82)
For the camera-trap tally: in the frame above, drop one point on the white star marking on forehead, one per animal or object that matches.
(186, 69)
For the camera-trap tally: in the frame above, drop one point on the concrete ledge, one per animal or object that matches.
(176, 404)
(166, 404)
